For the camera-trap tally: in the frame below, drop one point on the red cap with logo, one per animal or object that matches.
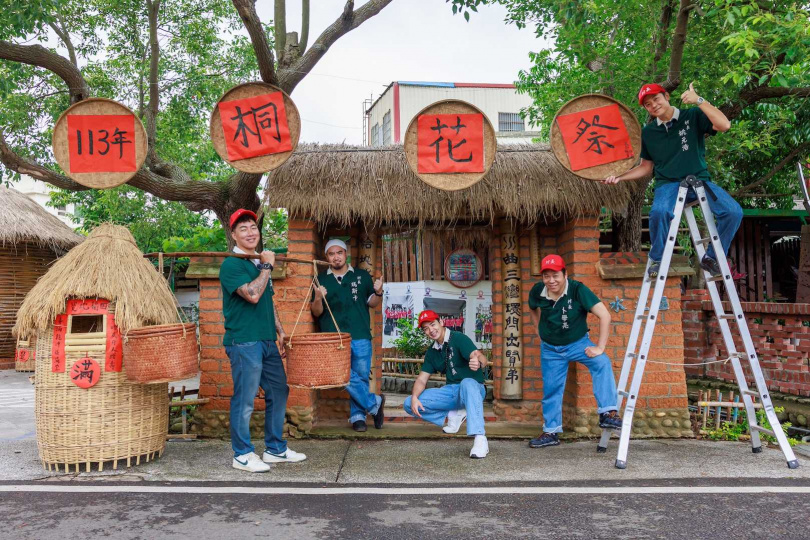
(648, 90)
(553, 263)
(239, 213)
(427, 316)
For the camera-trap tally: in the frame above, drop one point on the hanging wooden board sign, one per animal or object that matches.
(255, 127)
(99, 143)
(595, 136)
(450, 145)
(463, 268)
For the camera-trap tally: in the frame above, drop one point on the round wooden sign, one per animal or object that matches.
(99, 143)
(255, 127)
(595, 136)
(85, 372)
(450, 145)
(463, 268)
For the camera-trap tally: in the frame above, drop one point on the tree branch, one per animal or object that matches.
(678, 43)
(153, 8)
(758, 93)
(61, 31)
(280, 28)
(22, 165)
(264, 56)
(775, 169)
(302, 43)
(663, 38)
(37, 55)
(348, 21)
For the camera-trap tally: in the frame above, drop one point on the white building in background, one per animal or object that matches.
(387, 118)
(40, 192)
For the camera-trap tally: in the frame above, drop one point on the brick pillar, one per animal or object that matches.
(695, 336)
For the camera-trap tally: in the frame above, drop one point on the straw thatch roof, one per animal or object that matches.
(24, 221)
(106, 265)
(341, 184)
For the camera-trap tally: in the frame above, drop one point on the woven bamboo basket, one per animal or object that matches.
(159, 354)
(319, 361)
(115, 420)
(25, 356)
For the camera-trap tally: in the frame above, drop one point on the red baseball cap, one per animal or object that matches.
(242, 212)
(649, 89)
(552, 262)
(427, 316)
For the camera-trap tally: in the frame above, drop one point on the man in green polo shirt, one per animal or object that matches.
(673, 147)
(252, 327)
(559, 308)
(350, 293)
(454, 355)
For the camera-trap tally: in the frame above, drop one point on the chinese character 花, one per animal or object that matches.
(450, 143)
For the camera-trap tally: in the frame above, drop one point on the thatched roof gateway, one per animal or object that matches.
(24, 221)
(341, 184)
(106, 265)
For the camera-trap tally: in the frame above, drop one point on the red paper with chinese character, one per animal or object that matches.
(450, 143)
(114, 353)
(255, 126)
(58, 344)
(595, 137)
(85, 372)
(101, 143)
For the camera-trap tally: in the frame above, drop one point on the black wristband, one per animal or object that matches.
(377, 294)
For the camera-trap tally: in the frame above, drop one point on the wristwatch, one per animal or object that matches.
(700, 101)
(377, 294)
(266, 266)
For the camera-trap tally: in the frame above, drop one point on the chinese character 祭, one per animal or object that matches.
(594, 137)
(559, 308)
(454, 355)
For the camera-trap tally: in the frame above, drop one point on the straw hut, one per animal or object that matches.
(526, 206)
(86, 410)
(30, 240)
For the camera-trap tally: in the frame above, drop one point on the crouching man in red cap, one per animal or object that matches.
(559, 307)
(454, 355)
(673, 147)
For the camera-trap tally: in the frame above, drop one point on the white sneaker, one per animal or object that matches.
(290, 456)
(480, 447)
(454, 420)
(250, 462)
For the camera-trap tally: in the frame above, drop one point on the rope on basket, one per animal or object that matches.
(325, 301)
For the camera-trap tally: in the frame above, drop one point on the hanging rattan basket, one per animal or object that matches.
(319, 360)
(159, 354)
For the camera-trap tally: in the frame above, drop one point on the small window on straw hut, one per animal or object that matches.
(86, 324)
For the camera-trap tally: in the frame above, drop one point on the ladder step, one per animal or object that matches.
(623, 393)
(729, 316)
(704, 241)
(763, 430)
(716, 278)
(696, 202)
(630, 355)
(754, 393)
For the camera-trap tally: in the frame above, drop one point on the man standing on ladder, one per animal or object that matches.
(350, 293)
(673, 147)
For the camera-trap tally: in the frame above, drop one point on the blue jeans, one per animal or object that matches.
(254, 364)
(554, 360)
(363, 402)
(727, 213)
(438, 402)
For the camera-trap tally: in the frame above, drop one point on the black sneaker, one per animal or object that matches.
(710, 265)
(653, 269)
(546, 439)
(359, 426)
(610, 420)
(379, 417)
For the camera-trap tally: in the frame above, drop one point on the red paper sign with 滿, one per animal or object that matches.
(85, 372)
(255, 126)
(595, 137)
(99, 143)
(450, 143)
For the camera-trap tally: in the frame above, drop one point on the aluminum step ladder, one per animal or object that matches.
(647, 313)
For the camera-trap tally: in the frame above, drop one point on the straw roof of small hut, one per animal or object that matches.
(341, 184)
(108, 265)
(22, 220)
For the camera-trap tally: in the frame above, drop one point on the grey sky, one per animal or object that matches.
(409, 40)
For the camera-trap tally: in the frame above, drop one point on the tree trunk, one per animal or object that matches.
(627, 227)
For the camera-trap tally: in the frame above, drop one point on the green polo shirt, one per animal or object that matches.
(349, 302)
(452, 358)
(245, 322)
(565, 320)
(679, 150)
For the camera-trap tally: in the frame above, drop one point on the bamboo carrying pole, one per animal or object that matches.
(279, 257)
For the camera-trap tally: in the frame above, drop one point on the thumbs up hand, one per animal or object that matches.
(690, 97)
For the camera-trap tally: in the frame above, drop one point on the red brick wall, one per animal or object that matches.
(779, 333)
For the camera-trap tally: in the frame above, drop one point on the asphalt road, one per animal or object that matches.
(697, 508)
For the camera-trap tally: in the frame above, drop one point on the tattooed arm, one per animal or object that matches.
(254, 290)
(282, 337)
